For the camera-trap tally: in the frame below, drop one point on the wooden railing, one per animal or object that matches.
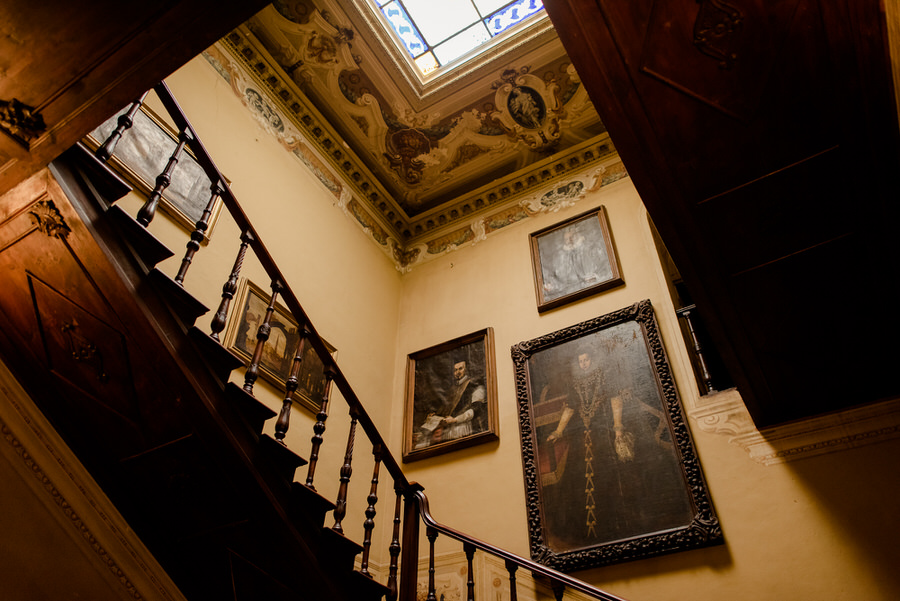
(410, 504)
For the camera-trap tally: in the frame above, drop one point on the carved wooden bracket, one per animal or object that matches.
(21, 121)
(716, 24)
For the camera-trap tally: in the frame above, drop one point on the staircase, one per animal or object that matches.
(107, 346)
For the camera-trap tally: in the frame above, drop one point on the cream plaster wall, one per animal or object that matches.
(823, 527)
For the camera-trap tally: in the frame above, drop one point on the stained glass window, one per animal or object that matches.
(436, 33)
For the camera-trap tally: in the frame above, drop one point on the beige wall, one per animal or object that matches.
(823, 527)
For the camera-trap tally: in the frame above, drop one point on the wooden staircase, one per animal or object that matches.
(106, 345)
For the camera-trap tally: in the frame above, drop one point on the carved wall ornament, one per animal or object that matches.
(21, 121)
(717, 22)
(48, 219)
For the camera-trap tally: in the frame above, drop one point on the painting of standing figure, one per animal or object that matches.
(610, 469)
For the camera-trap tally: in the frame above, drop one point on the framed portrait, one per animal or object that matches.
(142, 154)
(249, 311)
(451, 396)
(574, 259)
(611, 473)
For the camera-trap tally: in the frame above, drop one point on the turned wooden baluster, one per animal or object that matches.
(469, 548)
(290, 387)
(511, 567)
(394, 549)
(369, 524)
(340, 506)
(319, 428)
(432, 535)
(147, 212)
(559, 589)
(199, 232)
(124, 122)
(685, 312)
(262, 335)
(230, 287)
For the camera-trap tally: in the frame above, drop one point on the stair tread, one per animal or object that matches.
(221, 360)
(183, 304)
(149, 249)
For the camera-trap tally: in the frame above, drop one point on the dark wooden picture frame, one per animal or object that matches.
(611, 473)
(451, 396)
(141, 155)
(250, 306)
(574, 259)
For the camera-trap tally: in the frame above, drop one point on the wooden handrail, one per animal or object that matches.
(287, 294)
(416, 502)
(536, 568)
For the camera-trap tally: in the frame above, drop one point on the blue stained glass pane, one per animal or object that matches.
(515, 13)
(404, 28)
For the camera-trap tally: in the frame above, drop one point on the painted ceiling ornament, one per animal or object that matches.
(404, 147)
(529, 109)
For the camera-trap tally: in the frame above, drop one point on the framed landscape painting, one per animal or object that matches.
(280, 349)
(611, 473)
(451, 396)
(574, 259)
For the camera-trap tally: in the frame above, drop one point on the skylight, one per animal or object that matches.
(436, 33)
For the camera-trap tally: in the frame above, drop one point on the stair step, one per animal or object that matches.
(310, 504)
(284, 461)
(104, 183)
(254, 412)
(148, 249)
(182, 303)
(365, 587)
(220, 360)
(341, 548)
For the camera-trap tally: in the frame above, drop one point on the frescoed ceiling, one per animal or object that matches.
(424, 156)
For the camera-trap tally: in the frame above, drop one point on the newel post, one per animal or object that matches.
(409, 555)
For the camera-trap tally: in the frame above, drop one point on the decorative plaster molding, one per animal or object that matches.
(724, 413)
(548, 185)
(82, 505)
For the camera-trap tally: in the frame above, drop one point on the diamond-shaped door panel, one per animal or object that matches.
(85, 351)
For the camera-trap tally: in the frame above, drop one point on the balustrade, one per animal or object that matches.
(411, 504)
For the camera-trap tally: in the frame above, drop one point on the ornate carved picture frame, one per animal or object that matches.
(451, 396)
(250, 306)
(574, 259)
(611, 473)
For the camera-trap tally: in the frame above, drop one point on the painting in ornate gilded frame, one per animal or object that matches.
(574, 259)
(611, 473)
(451, 396)
(250, 306)
(141, 155)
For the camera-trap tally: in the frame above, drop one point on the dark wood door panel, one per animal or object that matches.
(762, 137)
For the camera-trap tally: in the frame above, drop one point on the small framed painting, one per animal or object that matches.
(142, 154)
(611, 473)
(280, 349)
(451, 396)
(574, 259)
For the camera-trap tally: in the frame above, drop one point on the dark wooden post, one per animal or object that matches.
(511, 567)
(369, 523)
(148, 211)
(319, 427)
(262, 335)
(559, 589)
(469, 549)
(199, 232)
(230, 287)
(340, 508)
(432, 535)
(409, 561)
(394, 550)
(290, 388)
(699, 359)
(124, 122)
